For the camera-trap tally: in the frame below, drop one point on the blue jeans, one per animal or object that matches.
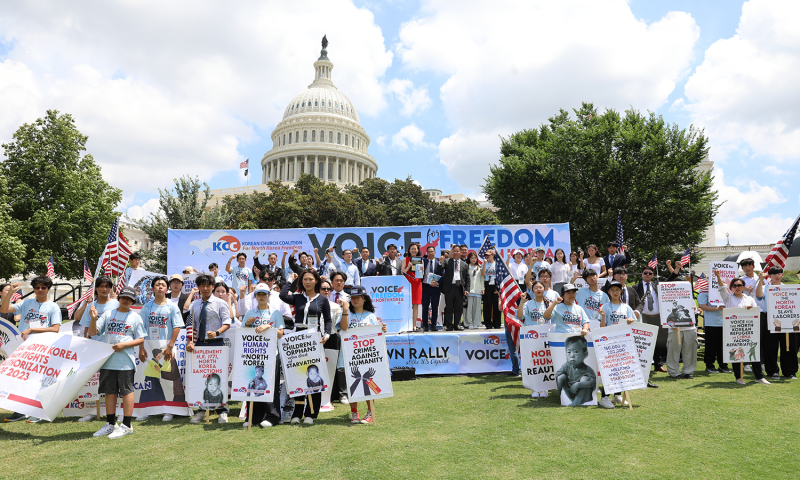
(513, 350)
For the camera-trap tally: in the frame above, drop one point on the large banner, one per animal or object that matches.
(783, 308)
(46, 372)
(366, 365)
(159, 384)
(303, 360)
(199, 248)
(207, 377)
(676, 304)
(536, 362)
(576, 368)
(434, 354)
(618, 359)
(483, 352)
(10, 338)
(741, 332)
(391, 297)
(728, 271)
(644, 336)
(254, 365)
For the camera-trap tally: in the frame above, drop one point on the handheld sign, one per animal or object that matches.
(618, 359)
(741, 335)
(207, 377)
(727, 270)
(303, 360)
(10, 338)
(783, 308)
(676, 304)
(254, 365)
(366, 364)
(644, 336)
(576, 368)
(536, 362)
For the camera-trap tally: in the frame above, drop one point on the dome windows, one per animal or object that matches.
(330, 137)
(345, 139)
(339, 138)
(305, 135)
(316, 103)
(313, 135)
(323, 103)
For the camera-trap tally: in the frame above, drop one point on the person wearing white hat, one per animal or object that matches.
(517, 268)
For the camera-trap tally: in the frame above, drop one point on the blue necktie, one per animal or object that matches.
(202, 330)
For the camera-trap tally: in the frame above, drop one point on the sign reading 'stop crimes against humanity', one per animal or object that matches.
(366, 364)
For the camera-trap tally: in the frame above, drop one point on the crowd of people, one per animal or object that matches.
(324, 292)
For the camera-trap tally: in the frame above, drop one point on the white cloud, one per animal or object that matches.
(741, 202)
(773, 170)
(381, 140)
(175, 88)
(414, 100)
(754, 231)
(410, 134)
(514, 65)
(139, 212)
(745, 92)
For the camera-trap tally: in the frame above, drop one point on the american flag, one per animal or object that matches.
(121, 281)
(686, 258)
(777, 257)
(16, 295)
(104, 266)
(86, 296)
(245, 164)
(87, 274)
(653, 262)
(620, 236)
(701, 285)
(117, 250)
(509, 292)
(51, 269)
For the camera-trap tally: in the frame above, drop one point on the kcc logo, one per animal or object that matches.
(492, 340)
(227, 243)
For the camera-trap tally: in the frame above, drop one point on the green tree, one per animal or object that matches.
(584, 170)
(465, 212)
(58, 194)
(12, 251)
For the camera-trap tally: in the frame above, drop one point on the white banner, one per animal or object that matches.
(159, 383)
(10, 338)
(303, 360)
(618, 359)
(676, 303)
(783, 308)
(644, 336)
(391, 297)
(741, 332)
(482, 352)
(536, 362)
(254, 365)
(47, 371)
(207, 377)
(366, 365)
(576, 368)
(727, 271)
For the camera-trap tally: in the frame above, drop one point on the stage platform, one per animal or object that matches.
(450, 353)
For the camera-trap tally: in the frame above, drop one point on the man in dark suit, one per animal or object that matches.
(366, 267)
(271, 266)
(175, 291)
(454, 282)
(430, 291)
(616, 259)
(651, 315)
(392, 264)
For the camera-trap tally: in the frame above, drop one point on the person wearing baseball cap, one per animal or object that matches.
(565, 314)
(176, 295)
(518, 268)
(124, 330)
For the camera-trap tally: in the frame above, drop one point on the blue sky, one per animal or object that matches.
(196, 87)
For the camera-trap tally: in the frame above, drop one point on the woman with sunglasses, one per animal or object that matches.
(739, 300)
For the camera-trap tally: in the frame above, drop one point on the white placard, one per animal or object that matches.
(536, 362)
(618, 359)
(783, 308)
(303, 360)
(727, 271)
(644, 336)
(741, 333)
(207, 377)
(366, 364)
(676, 304)
(254, 365)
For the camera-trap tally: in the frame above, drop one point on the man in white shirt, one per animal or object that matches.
(651, 314)
(347, 266)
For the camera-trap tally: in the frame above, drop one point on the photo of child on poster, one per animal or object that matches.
(212, 395)
(576, 380)
(314, 381)
(257, 384)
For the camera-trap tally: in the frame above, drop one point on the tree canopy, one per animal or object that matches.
(57, 197)
(586, 169)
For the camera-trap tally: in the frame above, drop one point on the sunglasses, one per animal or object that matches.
(325, 289)
(647, 273)
(41, 288)
(738, 285)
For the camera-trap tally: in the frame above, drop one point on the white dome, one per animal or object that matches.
(322, 99)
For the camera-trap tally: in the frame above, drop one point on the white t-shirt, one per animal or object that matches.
(597, 267)
(240, 276)
(562, 272)
(518, 270)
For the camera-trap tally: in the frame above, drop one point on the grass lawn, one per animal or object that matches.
(451, 427)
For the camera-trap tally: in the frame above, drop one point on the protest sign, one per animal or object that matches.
(391, 296)
(429, 354)
(676, 304)
(142, 283)
(303, 361)
(727, 271)
(189, 282)
(576, 368)
(158, 383)
(783, 308)
(254, 365)
(741, 331)
(366, 364)
(644, 336)
(618, 359)
(207, 377)
(483, 352)
(46, 372)
(10, 338)
(536, 362)
(331, 358)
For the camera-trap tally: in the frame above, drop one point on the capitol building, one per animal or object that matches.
(320, 134)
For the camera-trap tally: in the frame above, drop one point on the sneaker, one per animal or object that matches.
(534, 394)
(198, 417)
(344, 401)
(142, 418)
(776, 376)
(245, 423)
(107, 429)
(308, 421)
(793, 377)
(367, 420)
(605, 403)
(121, 431)
(724, 370)
(16, 417)
(354, 417)
(711, 370)
(543, 394)
(223, 418)
(748, 368)
(688, 376)
(34, 420)
(763, 381)
(88, 418)
(167, 418)
(265, 424)
(295, 421)
(617, 399)
(741, 381)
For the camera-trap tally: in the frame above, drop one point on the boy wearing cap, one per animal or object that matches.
(124, 330)
(176, 295)
(565, 314)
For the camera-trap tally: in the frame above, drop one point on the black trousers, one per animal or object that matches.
(453, 306)
(714, 348)
(769, 347)
(270, 411)
(302, 406)
(491, 308)
(788, 359)
(430, 299)
(660, 351)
